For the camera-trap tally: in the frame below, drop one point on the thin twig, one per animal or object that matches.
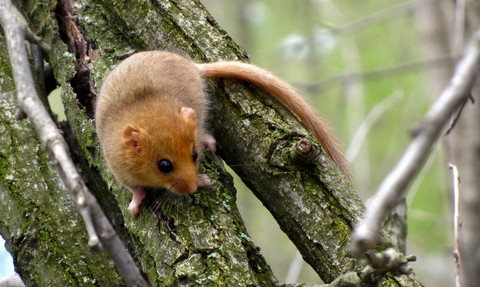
(382, 15)
(387, 72)
(34, 39)
(456, 226)
(366, 125)
(99, 229)
(367, 233)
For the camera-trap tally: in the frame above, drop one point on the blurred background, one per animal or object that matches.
(372, 69)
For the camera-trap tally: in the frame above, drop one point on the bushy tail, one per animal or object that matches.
(287, 95)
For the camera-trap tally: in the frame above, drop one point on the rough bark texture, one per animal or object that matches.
(203, 240)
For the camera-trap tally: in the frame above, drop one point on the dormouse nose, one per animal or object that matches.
(183, 186)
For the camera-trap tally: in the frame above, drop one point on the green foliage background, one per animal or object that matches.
(302, 42)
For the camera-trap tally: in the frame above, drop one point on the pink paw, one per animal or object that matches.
(209, 142)
(133, 208)
(138, 196)
(203, 180)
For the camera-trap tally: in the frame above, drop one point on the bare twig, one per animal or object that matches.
(425, 64)
(456, 250)
(367, 123)
(386, 14)
(16, 31)
(367, 233)
(34, 39)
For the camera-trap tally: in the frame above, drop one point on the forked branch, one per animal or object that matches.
(367, 233)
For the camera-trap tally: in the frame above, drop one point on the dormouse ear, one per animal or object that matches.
(188, 114)
(131, 137)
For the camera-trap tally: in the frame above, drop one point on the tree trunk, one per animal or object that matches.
(201, 240)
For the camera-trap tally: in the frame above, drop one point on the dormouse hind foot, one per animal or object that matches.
(209, 142)
(138, 196)
(203, 180)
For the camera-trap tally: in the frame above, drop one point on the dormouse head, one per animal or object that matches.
(164, 151)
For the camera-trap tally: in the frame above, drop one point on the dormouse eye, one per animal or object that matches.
(165, 166)
(194, 155)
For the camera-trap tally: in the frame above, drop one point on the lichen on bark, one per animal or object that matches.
(43, 231)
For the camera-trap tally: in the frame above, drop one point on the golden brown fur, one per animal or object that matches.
(144, 92)
(152, 107)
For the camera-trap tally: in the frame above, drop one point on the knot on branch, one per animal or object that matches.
(287, 153)
(305, 151)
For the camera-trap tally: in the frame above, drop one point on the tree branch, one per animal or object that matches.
(456, 225)
(366, 234)
(16, 32)
(362, 131)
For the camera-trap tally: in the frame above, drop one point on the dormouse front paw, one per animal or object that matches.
(209, 142)
(203, 180)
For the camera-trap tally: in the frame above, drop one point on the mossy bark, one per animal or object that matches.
(200, 240)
